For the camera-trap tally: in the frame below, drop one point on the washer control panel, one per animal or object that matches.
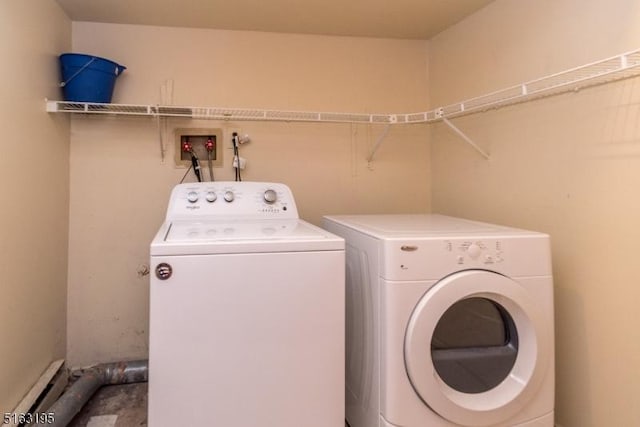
(238, 200)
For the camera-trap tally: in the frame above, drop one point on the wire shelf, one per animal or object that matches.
(214, 113)
(610, 69)
(596, 73)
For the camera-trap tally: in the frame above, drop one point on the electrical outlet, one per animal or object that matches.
(203, 142)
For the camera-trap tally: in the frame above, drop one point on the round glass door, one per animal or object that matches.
(474, 345)
(472, 348)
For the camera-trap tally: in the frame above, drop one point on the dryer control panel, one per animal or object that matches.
(516, 253)
(487, 252)
(232, 200)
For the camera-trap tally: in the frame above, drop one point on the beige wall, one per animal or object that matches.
(567, 165)
(34, 185)
(120, 186)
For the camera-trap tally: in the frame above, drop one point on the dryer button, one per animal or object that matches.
(474, 251)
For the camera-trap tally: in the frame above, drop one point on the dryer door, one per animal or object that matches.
(476, 348)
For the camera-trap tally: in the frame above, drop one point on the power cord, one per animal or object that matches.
(185, 174)
(210, 146)
(195, 163)
(236, 156)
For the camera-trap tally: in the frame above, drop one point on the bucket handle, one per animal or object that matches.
(63, 84)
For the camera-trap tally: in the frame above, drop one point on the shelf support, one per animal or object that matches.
(161, 122)
(465, 138)
(378, 142)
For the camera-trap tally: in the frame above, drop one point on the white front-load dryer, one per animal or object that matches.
(449, 323)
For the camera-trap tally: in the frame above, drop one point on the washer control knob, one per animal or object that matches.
(270, 196)
(228, 196)
(192, 196)
(474, 251)
(211, 196)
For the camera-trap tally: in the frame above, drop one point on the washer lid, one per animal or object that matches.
(182, 237)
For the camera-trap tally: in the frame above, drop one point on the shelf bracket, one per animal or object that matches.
(465, 138)
(162, 122)
(381, 138)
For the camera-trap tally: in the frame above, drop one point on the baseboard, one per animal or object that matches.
(48, 387)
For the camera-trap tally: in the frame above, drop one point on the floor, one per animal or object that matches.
(116, 406)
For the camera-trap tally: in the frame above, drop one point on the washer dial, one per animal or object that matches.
(270, 196)
(211, 196)
(192, 196)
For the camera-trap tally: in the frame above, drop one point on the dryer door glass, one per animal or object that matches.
(474, 345)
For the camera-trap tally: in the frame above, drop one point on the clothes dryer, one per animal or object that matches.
(449, 323)
(246, 312)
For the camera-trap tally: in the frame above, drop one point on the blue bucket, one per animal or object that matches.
(87, 78)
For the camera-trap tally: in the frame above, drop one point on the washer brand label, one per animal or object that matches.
(163, 271)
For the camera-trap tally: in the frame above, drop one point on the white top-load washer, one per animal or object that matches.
(449, 322)
(246, 312)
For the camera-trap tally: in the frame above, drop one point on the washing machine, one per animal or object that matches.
(247, 307)
(449, 322)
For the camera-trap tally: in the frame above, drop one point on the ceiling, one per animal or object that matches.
(406, 19)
